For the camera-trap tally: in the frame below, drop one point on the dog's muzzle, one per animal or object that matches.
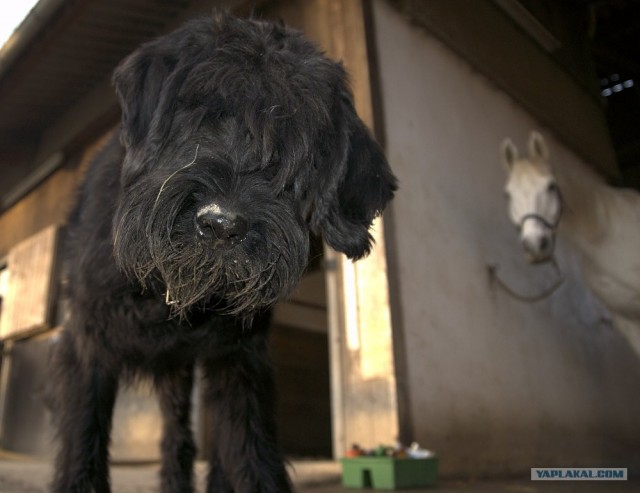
(221, 227)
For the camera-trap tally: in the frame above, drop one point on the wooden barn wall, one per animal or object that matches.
(48, 203)
(45, 205)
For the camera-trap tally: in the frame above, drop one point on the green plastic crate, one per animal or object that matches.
(389, 473)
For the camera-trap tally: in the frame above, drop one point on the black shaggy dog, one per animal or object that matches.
(239, 139)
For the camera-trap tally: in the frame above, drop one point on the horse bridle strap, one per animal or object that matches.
(528, 298)
(543, 220)
(540, 219)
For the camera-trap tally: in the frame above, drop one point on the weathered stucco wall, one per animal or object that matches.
(494, 385)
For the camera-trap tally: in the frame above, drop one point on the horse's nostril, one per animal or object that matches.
(544, 244)
(533, 246)
(538, 248)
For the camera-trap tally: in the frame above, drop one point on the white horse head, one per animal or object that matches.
(535, 203)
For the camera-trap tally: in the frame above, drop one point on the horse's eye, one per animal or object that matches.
(552, 187)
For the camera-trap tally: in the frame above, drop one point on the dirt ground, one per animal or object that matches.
(29, 476)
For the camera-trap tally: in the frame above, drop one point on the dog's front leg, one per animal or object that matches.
(84, 400)
(241, 393)
(178, 448)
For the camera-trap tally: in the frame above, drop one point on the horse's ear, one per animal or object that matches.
(538, 147)
(508, 153)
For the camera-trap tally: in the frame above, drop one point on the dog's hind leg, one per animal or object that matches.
(241, 392)
(178, 448)
(85, 396)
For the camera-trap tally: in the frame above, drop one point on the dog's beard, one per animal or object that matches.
(155, 242)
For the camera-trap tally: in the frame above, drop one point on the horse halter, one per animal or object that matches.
(540, 219)
(552, 226)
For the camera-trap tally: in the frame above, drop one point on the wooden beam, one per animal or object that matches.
(364, 393)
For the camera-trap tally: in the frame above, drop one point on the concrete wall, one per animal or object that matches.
(494, 385)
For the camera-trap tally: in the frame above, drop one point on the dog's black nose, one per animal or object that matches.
(221, 227)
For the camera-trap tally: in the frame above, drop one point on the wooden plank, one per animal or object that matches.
(31, 265)
(363, 381)
(45, 205)
(48, 203)
(368, 386)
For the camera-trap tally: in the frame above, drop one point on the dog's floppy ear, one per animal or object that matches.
(354, 188)
(138, 81)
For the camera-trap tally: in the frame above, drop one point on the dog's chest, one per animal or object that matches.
(175, 343)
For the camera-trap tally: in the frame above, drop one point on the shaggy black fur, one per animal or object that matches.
(239, 139)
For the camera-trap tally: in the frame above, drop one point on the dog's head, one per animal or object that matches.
(241, 138)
